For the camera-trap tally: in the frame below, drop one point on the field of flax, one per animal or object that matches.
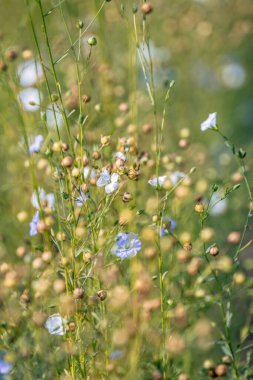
(126, 189)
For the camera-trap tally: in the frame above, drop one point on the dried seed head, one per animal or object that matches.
(64, 147)
(187, 246)
(72, 326)
(183, 376)
(227, 359)
(105, 140)
(85, 160)
(183, 143)
(234, 237)
(3, 66)
(96, 155)
(24, 298)
(239, 278)
(22, 216)
(147, 128)
(133, 173)
(42, 227)
(86, 98)
(61, 236)
(221, 370)
(78, 293)
(21, 251)
(127, 197)
(208, 364)
(146, 8)
(102, 295)
(67, 162)
(11, 54)
(199, 208)
(75, 172)
(214, 251)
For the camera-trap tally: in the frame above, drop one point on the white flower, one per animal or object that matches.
(29, 72)
(30, 99)
(55, 324)
(109, 181)
(49, 198)
(154, 182)
(177, 176)
(218, 206)
(121, 156)
(209, 123)
(88, 172)
(53, 116)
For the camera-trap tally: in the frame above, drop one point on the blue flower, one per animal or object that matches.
(36, 145)
(127, 245)
(40, 198)
(82, 198)
(114, 355)
(5, 367)
(34, 224)
(168, 225)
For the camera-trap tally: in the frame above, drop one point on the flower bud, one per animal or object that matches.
(92, 41)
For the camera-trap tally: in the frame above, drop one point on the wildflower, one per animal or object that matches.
(127, 245)
(157, 182)
(114, 355)
(82, 198)
(30, 99)
(89, 172)
(109, 181)
(42, 199)
(176, 177)
(29, 72)
(120, 156)
(218, 205)
(36, 145)
(34, 224)
(209, 123)
(5, 367)
(53, 116)
(55, 324)
(168, 225)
